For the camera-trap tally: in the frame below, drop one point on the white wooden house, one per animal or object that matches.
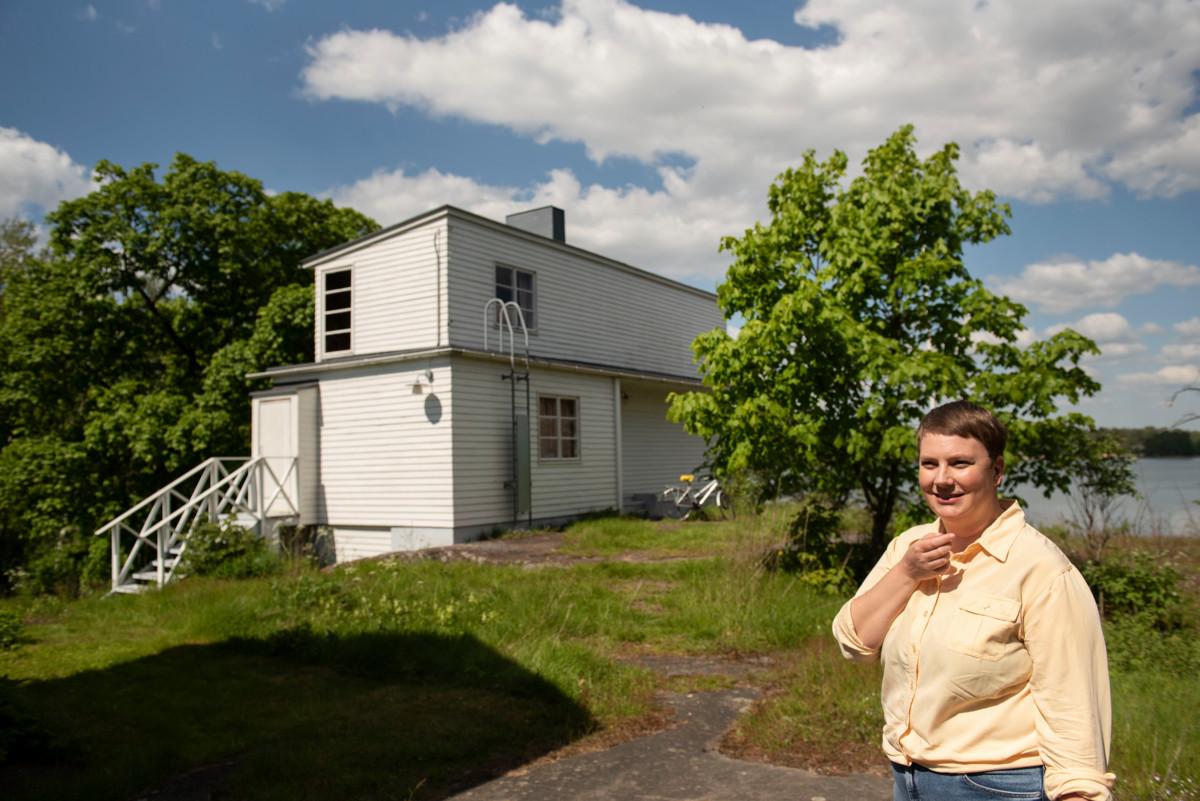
(470, 376)
(412, 427)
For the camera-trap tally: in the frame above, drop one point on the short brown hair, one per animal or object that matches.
(965, 419)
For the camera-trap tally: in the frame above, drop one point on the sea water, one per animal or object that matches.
(1168, 499)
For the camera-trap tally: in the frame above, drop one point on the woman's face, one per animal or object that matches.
(959, 480)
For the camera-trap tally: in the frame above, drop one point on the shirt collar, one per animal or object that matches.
(997, 539)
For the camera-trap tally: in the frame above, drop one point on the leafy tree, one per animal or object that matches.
(120, 345)
(859, 315)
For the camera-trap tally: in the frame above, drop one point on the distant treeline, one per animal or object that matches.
(1150, 441)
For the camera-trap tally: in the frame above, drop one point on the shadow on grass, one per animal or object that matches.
(295, 716)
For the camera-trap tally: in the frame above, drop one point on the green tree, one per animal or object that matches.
(119, 346)
(858, 316)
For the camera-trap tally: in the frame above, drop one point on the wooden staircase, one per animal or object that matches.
(251, 491)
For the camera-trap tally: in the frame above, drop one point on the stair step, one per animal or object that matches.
(130, 589)
(147, 575)
(168, 564)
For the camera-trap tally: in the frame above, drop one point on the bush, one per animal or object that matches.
(12, 632)
(815, 549)
(1135, 643)
(226, 550)
(56, 568)
(1137, 585)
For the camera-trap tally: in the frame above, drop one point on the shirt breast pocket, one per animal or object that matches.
(984, 626)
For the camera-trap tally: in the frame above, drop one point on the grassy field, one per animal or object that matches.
(411, 679)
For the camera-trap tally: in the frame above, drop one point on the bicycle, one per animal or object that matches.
(692, 495)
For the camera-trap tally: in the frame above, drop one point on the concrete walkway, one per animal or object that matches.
(680, 764)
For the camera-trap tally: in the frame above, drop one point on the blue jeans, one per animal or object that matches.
(915, 783)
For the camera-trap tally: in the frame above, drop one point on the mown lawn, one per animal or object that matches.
(409, 679)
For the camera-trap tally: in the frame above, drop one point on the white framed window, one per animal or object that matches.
(337, 290)
(517, 285)
(558, 427)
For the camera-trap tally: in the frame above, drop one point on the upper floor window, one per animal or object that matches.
(558, 427)
(517, 285)
(337, 311)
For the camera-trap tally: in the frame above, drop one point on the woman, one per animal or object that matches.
(995, 680)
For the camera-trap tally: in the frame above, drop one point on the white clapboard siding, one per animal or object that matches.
(394, 300)
(482, 445)
(384, 459)
(360, 543)
(654, 451)
(588, 309)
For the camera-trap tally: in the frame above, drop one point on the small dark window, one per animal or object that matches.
(337, 311)
(517, 285)
(558, 428)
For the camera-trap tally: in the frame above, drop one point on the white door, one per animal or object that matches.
(275, 438)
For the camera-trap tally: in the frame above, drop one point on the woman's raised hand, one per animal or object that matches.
(928, 557)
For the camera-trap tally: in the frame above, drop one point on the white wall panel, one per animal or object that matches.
(386, 457)
(588, 309)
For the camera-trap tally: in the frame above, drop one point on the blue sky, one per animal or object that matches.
(659, 125)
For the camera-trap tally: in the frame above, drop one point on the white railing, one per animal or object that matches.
(217, 488)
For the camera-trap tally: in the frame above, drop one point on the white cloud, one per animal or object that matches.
(33, 173)
(89, 13)
(1180, 352)
(1025, 337)
(1110, 331)
(1063, 286)
(1174, 375)
(1188, 328)
(674, 231)
(1047, 99)
(269, 5)
(1151, 328)
(216, 41)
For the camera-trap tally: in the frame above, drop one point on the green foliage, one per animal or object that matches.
(859, 315)
(1136, 585)
(124, 348)
(226, 550)
(1154, 442)
(1137, 642)
(815, 549)
(12, 631)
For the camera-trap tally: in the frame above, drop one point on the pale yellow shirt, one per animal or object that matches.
(1001, 665)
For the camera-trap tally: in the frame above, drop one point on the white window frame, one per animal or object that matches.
(531, 314)
(350, 290)
(558, 436)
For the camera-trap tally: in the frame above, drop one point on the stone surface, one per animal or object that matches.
(680, 764)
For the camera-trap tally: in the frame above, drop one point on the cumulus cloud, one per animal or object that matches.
(1188, 328)
(1173, 375)
(1066, 285)
(1047, 99)
(1180, 352)
(33, 173)
(674, 230)
(1109, 330)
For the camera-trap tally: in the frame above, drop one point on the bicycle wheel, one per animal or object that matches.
(724, 508)
(672, 507)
